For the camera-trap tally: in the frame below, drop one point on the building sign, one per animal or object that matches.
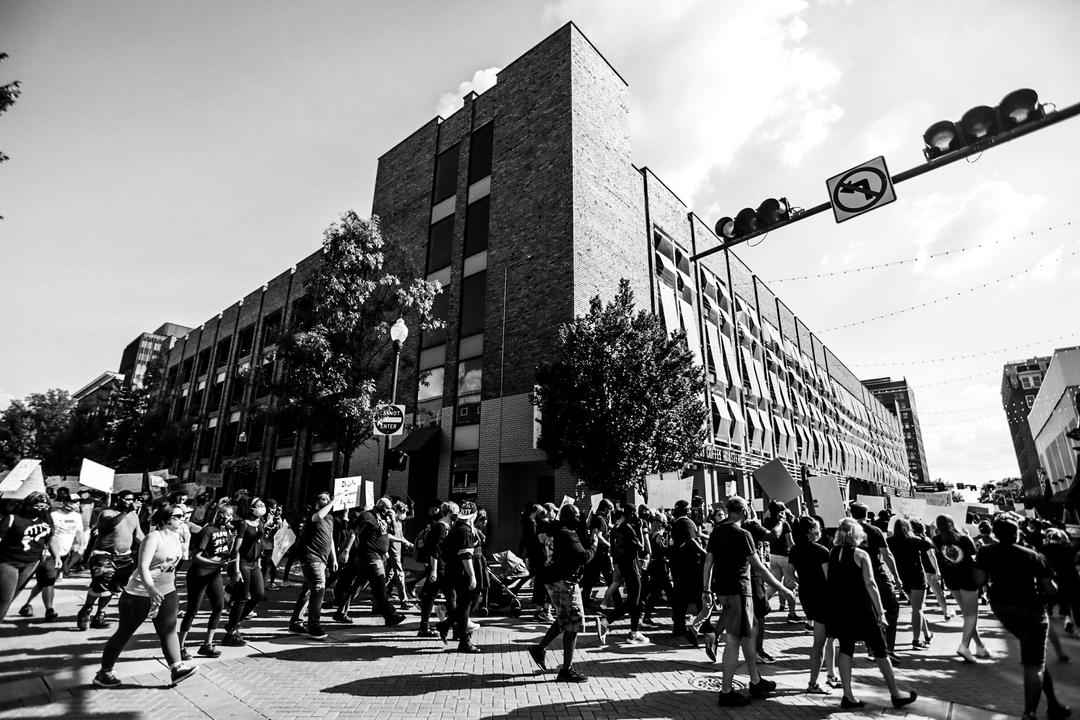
(716, 455)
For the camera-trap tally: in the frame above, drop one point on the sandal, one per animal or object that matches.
(816, 689)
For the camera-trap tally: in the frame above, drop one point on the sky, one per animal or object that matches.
(168, 158)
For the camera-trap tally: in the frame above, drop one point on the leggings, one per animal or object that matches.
(457, 617)
(427, 598)
(248, 593)
(203, 581)
(133, 610)
(269, 569)
(13, 578)
(631, 575)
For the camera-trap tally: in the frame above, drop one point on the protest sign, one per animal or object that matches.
(594, 500)
(911, 508)
(666, 489)
(283, 540)
(828, 502)
(776, 481)
(127, 481)
(96, 476)
(348, 492)
(566, 500)
(873, 503)
(23, 471)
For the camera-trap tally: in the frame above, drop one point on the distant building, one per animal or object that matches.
(94, 397)
(144, 349)
(1056, 411)
(898, 397)
(1020, 382)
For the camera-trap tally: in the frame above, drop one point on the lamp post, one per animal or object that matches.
(399, 331)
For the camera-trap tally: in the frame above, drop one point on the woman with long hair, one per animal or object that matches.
(856, 611)
(931, 569)
(151, 592)
(245, 575)
(808, 559)
(956, 557)
(907, 548)
(211, 551)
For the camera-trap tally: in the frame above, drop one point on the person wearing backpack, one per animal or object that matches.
(429, 547)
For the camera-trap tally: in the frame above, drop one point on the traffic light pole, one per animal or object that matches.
(938, 162)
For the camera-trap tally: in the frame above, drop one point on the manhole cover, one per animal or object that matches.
(712, 683)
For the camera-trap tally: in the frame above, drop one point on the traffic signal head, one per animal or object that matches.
(748, 221)
(982, 122)
(397, 460)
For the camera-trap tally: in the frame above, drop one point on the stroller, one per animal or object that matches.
(505, 573)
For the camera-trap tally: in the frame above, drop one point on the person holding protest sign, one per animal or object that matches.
(318, 559)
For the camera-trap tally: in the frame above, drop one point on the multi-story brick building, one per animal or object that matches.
(145, 349)
(1020, 382)
(525, 204)
(899, 398)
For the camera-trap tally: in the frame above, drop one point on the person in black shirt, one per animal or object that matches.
(245, 575)
(366, 563)
(881, 558)
(532, 522)
(808, 559)
(458, 549)
(780, 541)
(659, 580)
(600, 568)
(731, 554)
(1019, 577)
(956, 558)
(908, 549)
(435, 578)
(318, 559)
(566, 558)
(1061, 555)
(24, 536)
(685, 556)
(213, 546)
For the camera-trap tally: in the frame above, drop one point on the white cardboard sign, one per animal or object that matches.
(96, 476)
(19, 474)
(828, 502)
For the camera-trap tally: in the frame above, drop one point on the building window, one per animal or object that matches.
(440, 310)
(222, 355)
(470, 373)
(446, 169)
(1025, 382)
(1036, 381)
(431, 388)
(472, 303)
(204, 362)
(440, 244)
(480, 153)
(272, 328)
(1030, 399)
(476, 226)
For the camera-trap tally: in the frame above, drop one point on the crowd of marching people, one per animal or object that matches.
(715, 571)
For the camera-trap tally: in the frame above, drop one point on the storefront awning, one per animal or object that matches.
(418, 439)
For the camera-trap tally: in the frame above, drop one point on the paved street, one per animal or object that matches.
(367, 671)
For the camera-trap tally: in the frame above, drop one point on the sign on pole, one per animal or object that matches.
(389, 419)
(861, 189)
(97, 477)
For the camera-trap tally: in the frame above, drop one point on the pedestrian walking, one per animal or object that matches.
(25, 536)
(908, 550)
(245, 575)
(533, 520)
(808, 559)
(116, 531)
(685, 557)
(458, 550)
(931, 570)
(956, 557)
(1019, 580)
(318, 559)
(882, 560)
(210, 554)
(857, 611)
(366, 564)
(430, 548)
(565, 560)
(68, 531)
(151, 592)
(780, 542)
(395, 570)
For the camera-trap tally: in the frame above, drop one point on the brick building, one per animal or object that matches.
(1020, 382)
(146, 348)
(899, 398)
(525, 204)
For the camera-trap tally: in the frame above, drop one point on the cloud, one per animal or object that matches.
(482, 80)
(892, 131)
(709, 80)
(1048, 268)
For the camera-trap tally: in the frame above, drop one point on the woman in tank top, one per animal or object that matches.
(151, 592)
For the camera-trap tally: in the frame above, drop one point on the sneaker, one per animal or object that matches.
(106, 678)
(233, 639)
(26, 611)
(342, 618)
(649, 621)
(427, 632)
(468, 648)
(297, 628)
(539, 656)
(815, 689)
(51, 615)
(182, 671)
(834, 683)
(762, 687)
(395, 619)
(100, 621)
(602, 628)
(209, 651)
(570, 675)
(317, 633)
(636, 638)
(184, 654)
(710, 646)
(732, 699)
(1059, 712)
(82, 620)
(274, 586)
(285, 584)
(794, 619)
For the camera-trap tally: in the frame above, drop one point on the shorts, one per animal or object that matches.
(565, 596)
(46, 572)
(912, 582)
(850, 632)
(812, 609)
(1030, 627)
(109, 573)
(736, 615)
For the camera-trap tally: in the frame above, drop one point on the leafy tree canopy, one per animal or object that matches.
(622, 399)
(338, 359)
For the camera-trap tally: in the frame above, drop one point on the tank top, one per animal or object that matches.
(851, 604)
(162, 566)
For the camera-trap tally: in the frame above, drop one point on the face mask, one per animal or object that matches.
(258, 512)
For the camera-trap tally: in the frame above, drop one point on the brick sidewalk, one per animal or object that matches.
(369, 671)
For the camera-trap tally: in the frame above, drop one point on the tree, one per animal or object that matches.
(622, 399)
(37, 427)
(139, 434)
(337, 360)
(9, 93)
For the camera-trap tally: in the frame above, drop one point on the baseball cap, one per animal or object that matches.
(467, 510)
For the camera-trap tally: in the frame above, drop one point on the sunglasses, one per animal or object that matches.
(176, 516)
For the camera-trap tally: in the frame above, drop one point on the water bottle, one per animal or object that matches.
(155, 603)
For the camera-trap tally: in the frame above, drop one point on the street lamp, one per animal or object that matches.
(399, 331)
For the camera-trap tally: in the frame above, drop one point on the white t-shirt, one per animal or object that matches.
(69, 525)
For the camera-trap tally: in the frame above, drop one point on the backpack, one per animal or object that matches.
(420, 544)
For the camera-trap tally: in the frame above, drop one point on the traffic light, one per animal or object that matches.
(748, 221)
(396, 460)
(982, 123)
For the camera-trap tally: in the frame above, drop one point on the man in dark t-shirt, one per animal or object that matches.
(726, 578)
(435, 577)
(1018, 577)
(318, 557)
(366, 564)
(685, 559)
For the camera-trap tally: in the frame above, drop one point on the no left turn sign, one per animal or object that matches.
(860, 189)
